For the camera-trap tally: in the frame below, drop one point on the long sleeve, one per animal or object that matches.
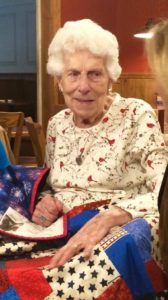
(146, 155)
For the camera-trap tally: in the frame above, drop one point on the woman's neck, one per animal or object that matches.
(89, 122)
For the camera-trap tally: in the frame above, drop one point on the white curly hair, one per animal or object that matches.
(84, 35)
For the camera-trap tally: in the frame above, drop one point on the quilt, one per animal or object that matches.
(121, 267)
(125, 265)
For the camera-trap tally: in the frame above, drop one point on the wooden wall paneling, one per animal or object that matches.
(138, 86)
(116, 87)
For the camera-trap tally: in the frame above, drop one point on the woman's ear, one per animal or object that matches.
(60, 85)
(109, 87)
(61, 88)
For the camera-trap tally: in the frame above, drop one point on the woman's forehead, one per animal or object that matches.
(83, 58)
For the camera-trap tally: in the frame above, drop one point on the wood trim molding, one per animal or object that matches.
(48, 22)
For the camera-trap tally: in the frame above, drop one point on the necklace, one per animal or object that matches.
(79, 159)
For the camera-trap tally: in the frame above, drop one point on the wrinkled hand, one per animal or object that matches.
(47, 210)
(89, 235)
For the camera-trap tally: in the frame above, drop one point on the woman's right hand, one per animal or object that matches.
(47, 210)
(89, 235)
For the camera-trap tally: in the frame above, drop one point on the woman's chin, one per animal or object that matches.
(83, 111)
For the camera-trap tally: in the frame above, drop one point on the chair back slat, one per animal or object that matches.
(38, 139)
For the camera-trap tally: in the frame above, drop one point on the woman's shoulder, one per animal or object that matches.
(132, 104)
(59, 122)
(64, 114)
(140, 103)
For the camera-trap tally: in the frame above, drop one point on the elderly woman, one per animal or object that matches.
(157, 51)
(103, 148)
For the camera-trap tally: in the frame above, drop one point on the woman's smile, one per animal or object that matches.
(84, 100)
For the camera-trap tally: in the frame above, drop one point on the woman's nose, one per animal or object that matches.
(83, 84)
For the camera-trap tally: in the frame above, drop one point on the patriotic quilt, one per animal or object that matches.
(125, 265)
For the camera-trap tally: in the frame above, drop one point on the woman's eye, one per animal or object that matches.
(95, 75)
(73, 75)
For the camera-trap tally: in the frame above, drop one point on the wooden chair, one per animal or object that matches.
(12, 122)
(5, 140)
(38, 140)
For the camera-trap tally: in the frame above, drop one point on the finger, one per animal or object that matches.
(46, 201)
(57, 260)
(88, 250)
(59, 206)
(43, 210)
(49, 216)
(51, 205)
(64, 255)
(36, 220)
(41, 220)
(54, 262)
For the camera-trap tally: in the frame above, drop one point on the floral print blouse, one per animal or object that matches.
(123, 158)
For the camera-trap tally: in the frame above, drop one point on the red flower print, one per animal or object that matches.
(143, 210)
(52, 138)
(61, 164)
(111, 142)
(101, 159)
(105, 120)
(67, 113)
(91, 179)
(123, 110)
(149, 162)
(68, 184)
(82, 150)
(150, 125)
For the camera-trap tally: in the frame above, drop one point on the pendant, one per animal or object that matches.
(78, 160)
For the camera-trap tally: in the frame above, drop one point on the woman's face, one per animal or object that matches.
(84, 84)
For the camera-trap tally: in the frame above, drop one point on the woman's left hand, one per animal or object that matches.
(89, 235)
